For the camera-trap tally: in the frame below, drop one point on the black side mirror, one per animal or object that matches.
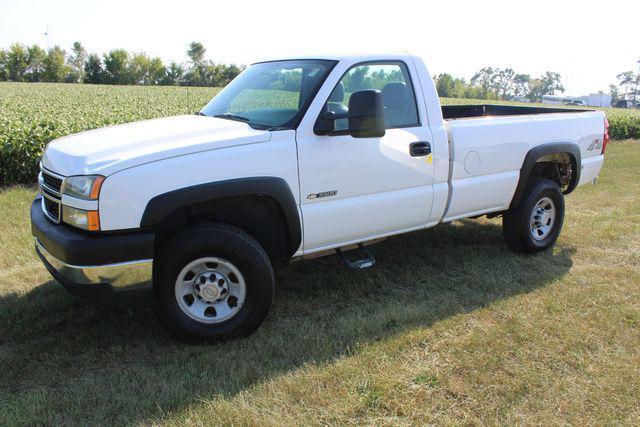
(366, 114)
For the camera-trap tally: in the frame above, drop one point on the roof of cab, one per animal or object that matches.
(360, 56)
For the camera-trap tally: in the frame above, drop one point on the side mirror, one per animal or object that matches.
(366, 114)
(326, 123)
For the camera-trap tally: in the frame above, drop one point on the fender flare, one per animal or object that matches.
(275, 188)
(540, 151)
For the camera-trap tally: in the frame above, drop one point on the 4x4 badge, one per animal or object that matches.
(323, 194)
(595, 145)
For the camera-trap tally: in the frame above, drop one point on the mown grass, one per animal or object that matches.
(449, 327)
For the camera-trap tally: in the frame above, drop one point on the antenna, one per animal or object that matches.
(46, 33)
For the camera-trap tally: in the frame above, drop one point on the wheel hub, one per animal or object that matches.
(542, 218)
(211, 287)
(210, 290)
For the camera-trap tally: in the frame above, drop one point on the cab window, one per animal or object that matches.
(392, 79)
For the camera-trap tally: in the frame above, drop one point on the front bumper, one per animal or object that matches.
(106, 269)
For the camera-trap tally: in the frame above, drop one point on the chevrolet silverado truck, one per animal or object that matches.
(295, 157)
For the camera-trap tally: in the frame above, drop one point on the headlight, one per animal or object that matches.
(87, 220)
(84, 187)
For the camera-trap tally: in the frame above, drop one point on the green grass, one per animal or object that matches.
(449, 327)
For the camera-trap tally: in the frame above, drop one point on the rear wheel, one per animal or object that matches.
(535, 223)
(212, 282)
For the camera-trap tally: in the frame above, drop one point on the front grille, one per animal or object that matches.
(50, 188)
(51, 208)
(51, 182)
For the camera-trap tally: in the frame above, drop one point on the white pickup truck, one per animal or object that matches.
(295, 157)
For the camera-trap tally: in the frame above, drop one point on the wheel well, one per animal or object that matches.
(259, 216)
(558, 161)
(557, 167)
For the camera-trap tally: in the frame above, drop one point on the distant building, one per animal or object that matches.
(599, 100)
(553, 99)
(520, 99)
(566, 100)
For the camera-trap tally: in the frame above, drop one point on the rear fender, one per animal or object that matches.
(537, 153)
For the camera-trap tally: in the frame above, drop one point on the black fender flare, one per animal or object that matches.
(275, 188)
(540, 151)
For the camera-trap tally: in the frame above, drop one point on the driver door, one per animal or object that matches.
(356, 189)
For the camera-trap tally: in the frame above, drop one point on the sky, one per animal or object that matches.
(587, 42)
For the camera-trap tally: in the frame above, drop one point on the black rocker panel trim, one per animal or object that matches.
(543, 150)
(275, 188)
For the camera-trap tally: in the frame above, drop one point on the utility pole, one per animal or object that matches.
(635, 91)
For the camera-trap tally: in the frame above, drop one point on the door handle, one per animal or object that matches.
(419, 149)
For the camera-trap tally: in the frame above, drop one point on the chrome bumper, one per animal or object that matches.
(125, 276)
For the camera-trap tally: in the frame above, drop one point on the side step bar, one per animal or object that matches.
(367, 261)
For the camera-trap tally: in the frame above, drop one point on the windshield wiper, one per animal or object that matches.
(232, 116)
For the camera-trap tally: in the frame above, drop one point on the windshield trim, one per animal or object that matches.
(297, 118)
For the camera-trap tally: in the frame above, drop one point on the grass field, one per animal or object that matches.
(449, 328)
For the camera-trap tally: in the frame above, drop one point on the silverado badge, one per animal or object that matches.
(313, 196)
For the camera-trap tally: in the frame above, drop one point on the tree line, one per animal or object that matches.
(627, 91)
(20, 63)
(497, 83)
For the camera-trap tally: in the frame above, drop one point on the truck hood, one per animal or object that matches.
(111, 149)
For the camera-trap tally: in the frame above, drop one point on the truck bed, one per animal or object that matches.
(454, 112)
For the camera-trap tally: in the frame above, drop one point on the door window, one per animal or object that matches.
(392, 79)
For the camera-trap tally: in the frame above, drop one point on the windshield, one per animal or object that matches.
(270, 95)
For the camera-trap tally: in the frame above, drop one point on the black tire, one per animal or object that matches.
(516, 222)
(224, 242)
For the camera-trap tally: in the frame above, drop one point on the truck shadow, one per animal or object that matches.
(69, 352)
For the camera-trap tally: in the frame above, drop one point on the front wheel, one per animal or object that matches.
(536, 222)
(212, 282)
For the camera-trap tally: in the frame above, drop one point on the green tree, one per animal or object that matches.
(201, 72)
(547, 84)
(138, 69)
(614, 91)
(173, 75)
(157, 72)
(93, 71)
(4, 70)
(55, 67)
(445, 85)
(115, 65)
(627, 82)
(503, 83)
(17, 62)
(521, 84)
(36, 63)
(77, 60)
(485, 79)
(196, 53)
(230, 72)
